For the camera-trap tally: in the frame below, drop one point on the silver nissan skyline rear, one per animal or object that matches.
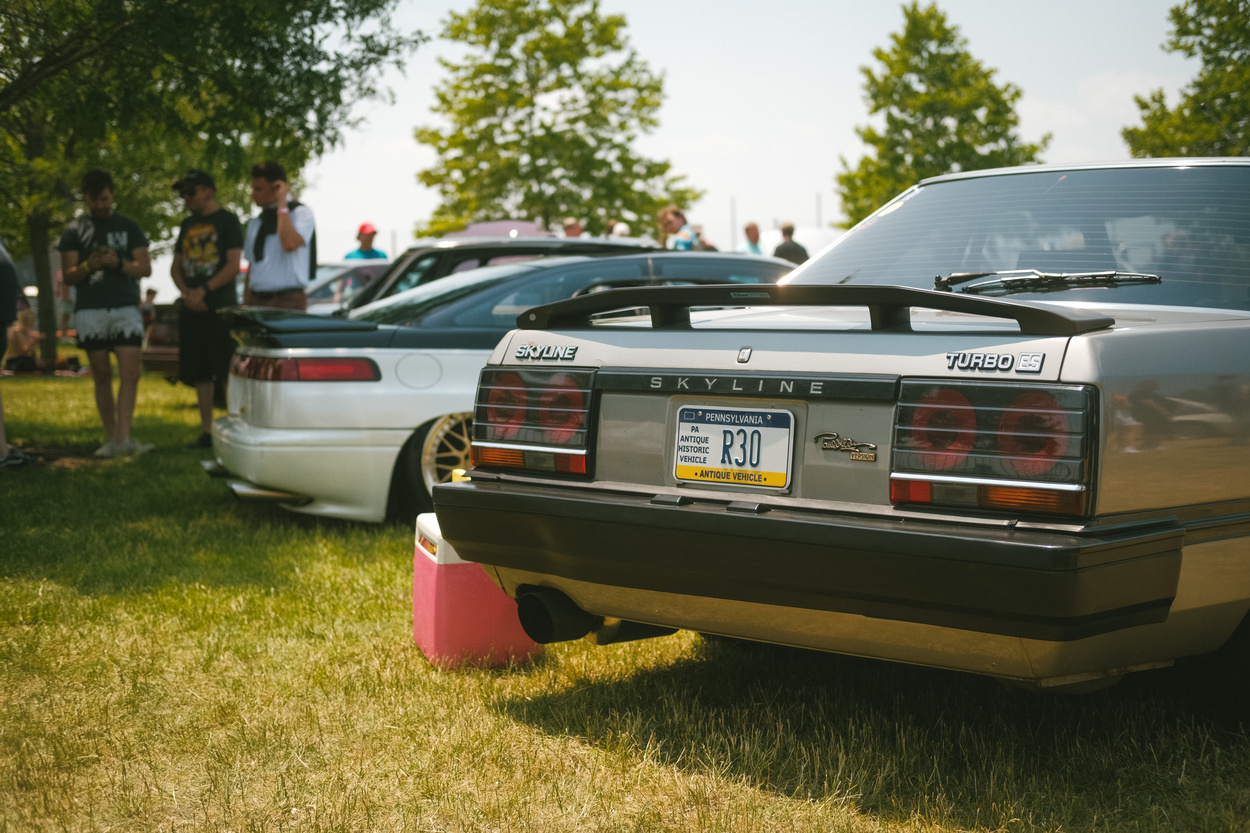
(1000, 426)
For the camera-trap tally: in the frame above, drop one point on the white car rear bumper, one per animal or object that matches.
(344, 473)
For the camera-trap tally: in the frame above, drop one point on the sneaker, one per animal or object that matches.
(131, 447)
(202, 441)
(108, 450)
(14, 459)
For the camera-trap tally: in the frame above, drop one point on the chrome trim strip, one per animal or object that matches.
(577, 452)
(985, 481)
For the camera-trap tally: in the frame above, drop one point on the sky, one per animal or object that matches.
(762, 101)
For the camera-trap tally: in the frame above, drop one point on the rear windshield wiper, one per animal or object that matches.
(1031, 280)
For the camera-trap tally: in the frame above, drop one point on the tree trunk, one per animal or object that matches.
(39, 225)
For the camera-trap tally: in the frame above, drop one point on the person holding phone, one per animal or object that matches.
(104, 255)
(280, 245)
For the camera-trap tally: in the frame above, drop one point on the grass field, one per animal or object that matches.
(171, 659)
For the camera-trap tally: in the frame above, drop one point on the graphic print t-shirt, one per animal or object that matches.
(105, 288)
(203, 243)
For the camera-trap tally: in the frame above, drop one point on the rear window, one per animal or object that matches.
(408, 307)
(1188, 225)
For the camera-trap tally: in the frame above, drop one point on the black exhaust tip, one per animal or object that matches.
(550, 616)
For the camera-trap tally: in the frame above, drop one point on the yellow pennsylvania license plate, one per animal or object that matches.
(734, 446)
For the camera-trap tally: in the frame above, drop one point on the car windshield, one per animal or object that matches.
(409, 306)
(1188, 225)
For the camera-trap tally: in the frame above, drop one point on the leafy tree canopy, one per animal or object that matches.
(942, 111)
(1217, 32)
(543, 113)
(149, 88)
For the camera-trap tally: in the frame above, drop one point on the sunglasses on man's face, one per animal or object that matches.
(190, 192)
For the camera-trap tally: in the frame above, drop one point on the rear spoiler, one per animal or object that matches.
(268, 319)
(889, 307)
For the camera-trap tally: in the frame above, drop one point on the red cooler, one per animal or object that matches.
(459, 616)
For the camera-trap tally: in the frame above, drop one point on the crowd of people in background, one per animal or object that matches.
(104, 255)
(676, 233)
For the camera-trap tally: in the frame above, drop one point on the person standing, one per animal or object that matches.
(280, 245)
(787, 249)
(751, 245)
(104, 255)
(572, 227)
(206, 262)
(10, 457)
(365, 236)
(677, 234)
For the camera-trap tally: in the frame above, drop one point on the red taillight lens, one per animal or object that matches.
(944, 428)
(1003, 446)
(533, 419)
(562, 409)
(271, 369)
(506, 405)
(1033, 433)
(336, 370)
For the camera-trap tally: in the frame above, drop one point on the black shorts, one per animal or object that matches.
(204, 347)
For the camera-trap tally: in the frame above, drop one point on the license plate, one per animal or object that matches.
(734, 446)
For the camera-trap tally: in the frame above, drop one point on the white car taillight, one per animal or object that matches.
(305, 369)
(1000, 446)
(533, 419)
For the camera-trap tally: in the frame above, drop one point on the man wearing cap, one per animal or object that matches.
(206, 262)
(366, 251)
(280, 245)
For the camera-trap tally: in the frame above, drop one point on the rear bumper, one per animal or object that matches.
(335, 473)
(1003, 581)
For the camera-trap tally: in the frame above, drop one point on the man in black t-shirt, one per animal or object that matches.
(787, 248)
(105, 255)
(206, 261)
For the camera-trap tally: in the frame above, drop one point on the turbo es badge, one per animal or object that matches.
(995, 362)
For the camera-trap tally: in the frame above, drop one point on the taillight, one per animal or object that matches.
(1000, 446)
(505, 405)
(1033, 433)
(533, 419)
(305, 369)
(562, 409)
(944, 427)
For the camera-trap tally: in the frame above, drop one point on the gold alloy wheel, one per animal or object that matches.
(446, 448)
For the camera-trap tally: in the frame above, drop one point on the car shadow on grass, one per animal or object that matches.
(904, 743)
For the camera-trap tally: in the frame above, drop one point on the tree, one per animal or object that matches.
(148, 88)
(543, 114)
(943, 113)
(1217, 32)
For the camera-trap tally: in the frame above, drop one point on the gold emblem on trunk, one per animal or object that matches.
(830, 441)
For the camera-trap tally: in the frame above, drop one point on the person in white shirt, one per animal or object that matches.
(280, 245)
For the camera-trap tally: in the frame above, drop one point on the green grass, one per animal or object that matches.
(171, 659)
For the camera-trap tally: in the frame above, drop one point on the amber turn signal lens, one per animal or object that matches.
(512, 458)
(1046, 501)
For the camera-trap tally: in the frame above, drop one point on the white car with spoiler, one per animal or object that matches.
(951, 439)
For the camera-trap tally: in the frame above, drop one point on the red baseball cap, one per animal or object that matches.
(367, 228)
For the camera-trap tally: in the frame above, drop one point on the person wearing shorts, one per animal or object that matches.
(206, 262)
(104, 255)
